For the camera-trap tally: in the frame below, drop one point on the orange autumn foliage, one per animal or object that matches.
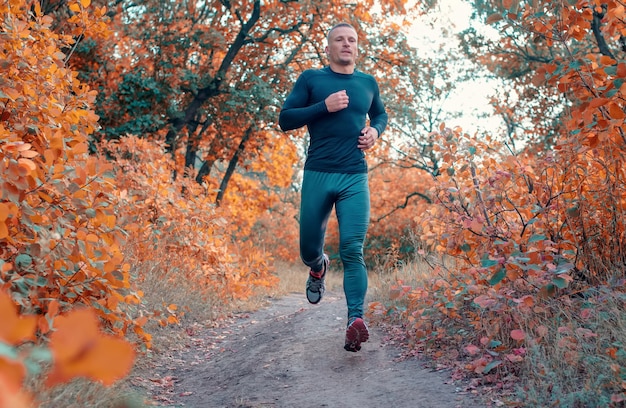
(177, 226)
(15, 329)
(77, 348)
(522, 228)
(58, 237)
(526, 235)
(10, 394)
(60, 244)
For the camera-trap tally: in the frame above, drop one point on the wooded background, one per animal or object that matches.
(144, 132)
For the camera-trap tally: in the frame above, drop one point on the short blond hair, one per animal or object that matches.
(344, 24)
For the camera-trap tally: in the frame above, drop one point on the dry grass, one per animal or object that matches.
(83, 393)
(581, 361)
(381, 279)
(293, 278)
(162, 289)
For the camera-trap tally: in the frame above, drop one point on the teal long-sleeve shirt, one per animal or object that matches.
(334, 136)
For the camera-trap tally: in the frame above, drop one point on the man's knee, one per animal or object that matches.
(351, 251)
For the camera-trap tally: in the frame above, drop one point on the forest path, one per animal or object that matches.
(290, 355)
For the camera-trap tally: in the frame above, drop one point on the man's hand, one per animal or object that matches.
(368, 138)
(337, 101)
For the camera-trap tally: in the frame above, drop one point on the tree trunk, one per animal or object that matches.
(214, 87)
(232, 165)
(193, 142)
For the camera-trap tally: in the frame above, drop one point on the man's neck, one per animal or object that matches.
(342, 69)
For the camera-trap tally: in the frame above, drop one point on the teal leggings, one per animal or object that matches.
(349, 193)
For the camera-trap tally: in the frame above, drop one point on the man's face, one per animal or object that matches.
(342, 46)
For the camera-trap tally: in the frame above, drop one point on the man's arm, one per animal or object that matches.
(378, 122)
(295, 112)
(377, 114)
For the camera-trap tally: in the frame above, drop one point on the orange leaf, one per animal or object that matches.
(29, 154)
(598, 102)
(495, 17)
(15, 328)
(53, 309)
(73, 331)
(96, 362)
(110, 267)
(11, 93)
(80, 349)
(43, 325)
(10, 395)
(606, 60)
(5, 211)
(472, 349)
(518, 335)
(23, 147)
(4, 230)
(80, 148)
(50, 155)
(141, 321)
(507, 4)
(12, 373)
(476, 225)
(616, 112)
(57, 141)
(528, 300)
(485, 301)
(28, 164)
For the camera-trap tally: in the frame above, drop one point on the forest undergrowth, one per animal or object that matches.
(574, 358)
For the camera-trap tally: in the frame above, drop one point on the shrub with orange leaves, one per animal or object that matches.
(398, 194)
(534, 239)
(175, 225)
(59, 240)
(518, 230)
(60, 244)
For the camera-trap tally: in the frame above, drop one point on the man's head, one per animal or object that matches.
(342, 48)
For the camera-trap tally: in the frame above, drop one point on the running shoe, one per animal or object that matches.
(315, 284)
(356, 333)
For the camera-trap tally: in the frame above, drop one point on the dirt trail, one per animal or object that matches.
(291, 355)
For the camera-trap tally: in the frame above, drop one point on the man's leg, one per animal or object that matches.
(353, 213)
(317, 201)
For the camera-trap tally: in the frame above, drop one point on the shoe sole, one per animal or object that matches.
(356, 334)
